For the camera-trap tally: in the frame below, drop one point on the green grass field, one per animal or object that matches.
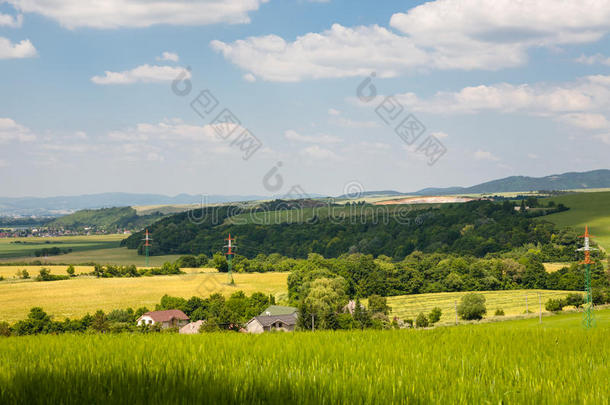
(513, 302)
(509, 362)
(103, 249)
(25, 247)
(81, 295)
(591, 209)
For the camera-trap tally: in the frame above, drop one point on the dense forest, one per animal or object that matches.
(476, 229)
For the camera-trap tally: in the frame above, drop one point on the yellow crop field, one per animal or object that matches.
(512, 302)
(81, 295)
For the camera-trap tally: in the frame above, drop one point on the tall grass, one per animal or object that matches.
(465, 364)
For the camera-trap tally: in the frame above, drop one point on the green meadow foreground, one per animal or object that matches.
(508, 362)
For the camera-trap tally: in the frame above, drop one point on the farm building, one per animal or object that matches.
(268, 323)
(167, 319)
(192, 328)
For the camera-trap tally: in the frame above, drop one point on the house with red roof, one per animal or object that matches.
(173, 318)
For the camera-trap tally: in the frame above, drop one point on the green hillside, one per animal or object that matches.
(591, 209)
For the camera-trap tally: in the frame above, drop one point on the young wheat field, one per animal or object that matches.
(475, 364)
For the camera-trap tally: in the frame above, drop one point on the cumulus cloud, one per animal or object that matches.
(144, 74)
(442, 34)
(23, 49)
(323, 138)
(593, 59)
(581, 103)
(168, 56)
(7, 20)
(12, 131)
(136, 13)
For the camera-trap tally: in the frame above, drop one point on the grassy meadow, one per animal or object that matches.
(25, 247)
(591, 209)
(512, 302)
(82, 295)
(507, 362)
(103, 249)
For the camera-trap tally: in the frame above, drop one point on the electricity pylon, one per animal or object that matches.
(588, 319)
(147, 244)
(229, 254)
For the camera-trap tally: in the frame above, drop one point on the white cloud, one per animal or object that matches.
(4, 163)
(316, 152)
(533, 156)
(442, 34)
(585, 95)
(338, 52)
(593, 59)
(349, 123)
(249, 77)
(585, 121)
(23, 49)
(137, 13)
(168, 56)
(332, 111)
(323, 138)
(7, 20)
(144, 74)
(485, 155)
(12, 131)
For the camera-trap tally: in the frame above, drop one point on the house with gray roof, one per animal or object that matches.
(268, 323)
(278, 310)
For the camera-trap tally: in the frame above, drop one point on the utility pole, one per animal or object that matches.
(540, 307)
(588, 307)
(147, 244)
(456, 318)
(229, 254)
(312, 326)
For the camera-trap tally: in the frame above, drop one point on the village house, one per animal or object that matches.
(274, 318)
(173, 318)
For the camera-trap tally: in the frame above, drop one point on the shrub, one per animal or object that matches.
(554, 305)
(435, 315)
(421, 321)
(378, 304)
(472, 306)
(409, 322)
(499, 312)
(574, 299)
(45, 275)
(23, 274)
(70, 270)
(5, 329)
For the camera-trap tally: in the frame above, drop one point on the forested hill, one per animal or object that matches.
(475, 228)
(108, 219)
(565, 181)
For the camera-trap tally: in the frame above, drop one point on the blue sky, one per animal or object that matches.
(504, 87)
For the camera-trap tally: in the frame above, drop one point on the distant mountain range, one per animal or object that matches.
(566, 181)
(57, 206)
